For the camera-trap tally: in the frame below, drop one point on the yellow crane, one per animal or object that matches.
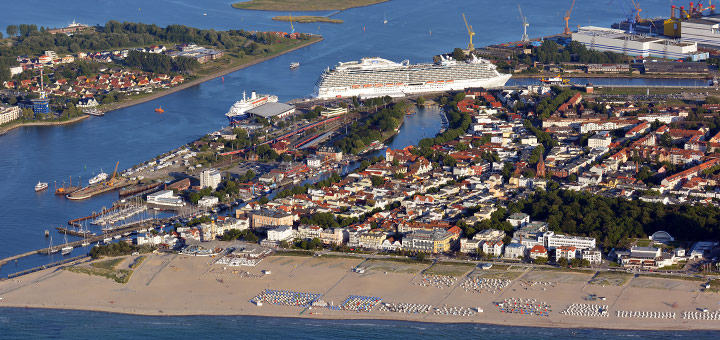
(471, 47)
(111, 182)
(567, 18)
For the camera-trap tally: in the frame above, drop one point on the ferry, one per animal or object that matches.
(555, 80)
(98, 178)
(41, 186)
(294, 65)
(237, 111)
(377, 77)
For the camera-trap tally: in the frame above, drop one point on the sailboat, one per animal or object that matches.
(66, 249)
(52, 250)
(85, 242)
(385, 19)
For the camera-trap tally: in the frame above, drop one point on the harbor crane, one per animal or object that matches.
(292, 28)
(471, 33)
(111, 182)
(567, 18)
(525, 25)
(632, 16)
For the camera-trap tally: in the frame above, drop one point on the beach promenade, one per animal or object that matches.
(329, 288)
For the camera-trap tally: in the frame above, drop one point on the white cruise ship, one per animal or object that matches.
(375, 77)
(237, 111)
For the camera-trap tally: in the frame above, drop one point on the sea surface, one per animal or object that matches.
(63, 324)
(416, 30)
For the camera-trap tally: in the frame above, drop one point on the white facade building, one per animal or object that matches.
(615, 40)
(9, 114)
(210, 178)
(553, 241)
(599, 140)
(165, 198)
(208, 201)
(281, 233)
(705, 31)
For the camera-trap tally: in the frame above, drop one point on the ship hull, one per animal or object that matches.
(401, 91)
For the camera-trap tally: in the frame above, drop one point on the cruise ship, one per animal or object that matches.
(237, 111)
(375, 77)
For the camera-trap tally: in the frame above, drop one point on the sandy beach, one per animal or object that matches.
(170, 284)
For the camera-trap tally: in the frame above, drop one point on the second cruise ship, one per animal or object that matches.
(375, 77)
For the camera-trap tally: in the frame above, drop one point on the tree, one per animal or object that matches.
(458, 54)
(263, 200)
(377, 180)
(540, 260)
(12, 30)
(562, 262)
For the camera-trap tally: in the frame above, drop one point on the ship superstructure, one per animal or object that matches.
(238, 110)
(374, 77)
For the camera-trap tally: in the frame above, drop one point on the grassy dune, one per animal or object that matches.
(304, 5)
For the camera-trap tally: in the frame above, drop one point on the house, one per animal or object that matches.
(518, 220)
(538, 251)
(514, 251)
(565, 252)
(592, 255)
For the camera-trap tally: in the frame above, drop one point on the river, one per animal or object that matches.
(415, 31)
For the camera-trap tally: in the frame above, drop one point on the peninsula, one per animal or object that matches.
(98, 68)
(308, 19)
(304, 5)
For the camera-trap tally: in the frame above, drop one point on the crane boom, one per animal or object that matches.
(112, 179)
(471, 33)
(567, 18)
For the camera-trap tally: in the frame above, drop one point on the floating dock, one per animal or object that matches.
(91, 191)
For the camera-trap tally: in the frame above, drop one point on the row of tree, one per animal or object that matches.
(160, 63)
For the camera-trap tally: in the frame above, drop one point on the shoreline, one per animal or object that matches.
(359, 316)
(202, 79)
(301, 10)
(157, 95)
(44, 123)
(206, 288)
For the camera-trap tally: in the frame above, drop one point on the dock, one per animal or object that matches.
(74, 222)
(73, 232)
(46, 266)
(91, 191)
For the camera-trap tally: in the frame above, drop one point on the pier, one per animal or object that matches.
(104, 211)
(46, 266)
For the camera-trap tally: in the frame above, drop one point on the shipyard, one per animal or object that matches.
(568, 181)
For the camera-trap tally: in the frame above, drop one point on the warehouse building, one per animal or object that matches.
(705, 31)
(614, 40)
(272, 111)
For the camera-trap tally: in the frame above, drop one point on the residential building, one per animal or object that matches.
(262, 218)
(552, 241)
(281, 233)
(210, 178)
(435, 241)
(9, 114)
(568, 253)
(514, 250)
(208, 201)
(600, 139)
(538, 251)
(593, 256)
(518, 220)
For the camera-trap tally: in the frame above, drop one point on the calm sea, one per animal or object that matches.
(416, 30)
(51, 324)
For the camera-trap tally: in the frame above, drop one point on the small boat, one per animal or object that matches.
(159, 110)
(47, 233)
(41, 186)
(66, 249)
(385, 19)
(205, 14)
(52, 250)
(99, 178)
(94, 112)
(294, 65)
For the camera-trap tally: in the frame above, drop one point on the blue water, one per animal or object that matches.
(416, 30)
(23, 324)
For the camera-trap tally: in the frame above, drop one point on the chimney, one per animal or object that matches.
(253, 95)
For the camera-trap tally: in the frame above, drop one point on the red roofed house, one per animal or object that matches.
(538, 251)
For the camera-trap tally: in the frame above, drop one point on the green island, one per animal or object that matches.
(121, 64)
(305, 19)
(303, 5)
